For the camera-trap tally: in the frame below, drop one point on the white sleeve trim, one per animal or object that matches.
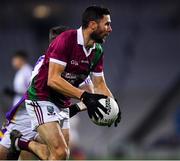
(98, 74)
(58, 61)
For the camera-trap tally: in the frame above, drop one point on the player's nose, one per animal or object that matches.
(109, 29)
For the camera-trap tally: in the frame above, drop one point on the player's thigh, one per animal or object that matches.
(25, 155)
(52, 135)
(66, 135)
(39, 139)
(3, 152)
(65, 126)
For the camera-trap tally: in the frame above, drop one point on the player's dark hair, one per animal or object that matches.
(55, 31)
(93, 13)
(21, 54)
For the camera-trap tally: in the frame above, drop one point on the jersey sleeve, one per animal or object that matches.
(98, 70)
(58, 50)
(27, 77)
(22, 80)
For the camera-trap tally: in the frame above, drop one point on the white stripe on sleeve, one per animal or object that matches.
(98, 74)
(58, 61)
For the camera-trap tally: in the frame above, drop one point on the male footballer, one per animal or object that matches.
(68, 61)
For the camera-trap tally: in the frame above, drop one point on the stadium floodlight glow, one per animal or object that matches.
(41, 11)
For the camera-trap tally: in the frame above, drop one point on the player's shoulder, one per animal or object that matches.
(69, 34)
(26, 68)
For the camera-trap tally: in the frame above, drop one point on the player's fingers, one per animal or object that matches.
(95, 117)
(90, 114)
(105, 110)
(99, 113)
(109, 125)
(117, 122)
(119, 118)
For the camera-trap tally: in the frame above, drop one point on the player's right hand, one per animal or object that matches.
(92, 103)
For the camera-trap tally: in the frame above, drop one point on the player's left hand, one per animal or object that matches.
(93, 105)
(73, 110)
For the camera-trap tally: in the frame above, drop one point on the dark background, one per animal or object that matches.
(142, 68)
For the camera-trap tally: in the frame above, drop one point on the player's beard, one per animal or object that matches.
(96, 36)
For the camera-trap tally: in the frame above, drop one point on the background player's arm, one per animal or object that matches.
(100, 86)
(59, 84)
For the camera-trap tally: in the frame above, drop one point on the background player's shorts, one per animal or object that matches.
(44, 111)
(87, 81)
(25, 130)
(2, 131)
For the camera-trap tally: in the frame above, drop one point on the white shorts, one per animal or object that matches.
(87, 81)
(42, 112)
(25, 130)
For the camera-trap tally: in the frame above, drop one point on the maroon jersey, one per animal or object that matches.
(67, 49)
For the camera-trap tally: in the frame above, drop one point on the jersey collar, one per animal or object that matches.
(80, 41)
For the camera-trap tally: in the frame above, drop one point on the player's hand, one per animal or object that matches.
(73, 110)
(118, 120)
(92, 103)
(76, 108)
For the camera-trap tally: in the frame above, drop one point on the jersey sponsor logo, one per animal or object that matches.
(74, 62)
(74, 79)
(50, 110)
(69, 75)
(85, 61)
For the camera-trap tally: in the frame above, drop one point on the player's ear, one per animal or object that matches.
(93, 25)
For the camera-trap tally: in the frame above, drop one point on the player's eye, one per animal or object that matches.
(108, 24)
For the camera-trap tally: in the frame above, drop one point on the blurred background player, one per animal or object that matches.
(22, 76)
(20, 84)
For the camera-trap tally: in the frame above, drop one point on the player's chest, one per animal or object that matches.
(79, 61)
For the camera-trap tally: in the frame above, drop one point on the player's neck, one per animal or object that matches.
(88, 42)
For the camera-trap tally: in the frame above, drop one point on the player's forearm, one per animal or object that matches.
(102, 89)
(100, 86)
(61, 85)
